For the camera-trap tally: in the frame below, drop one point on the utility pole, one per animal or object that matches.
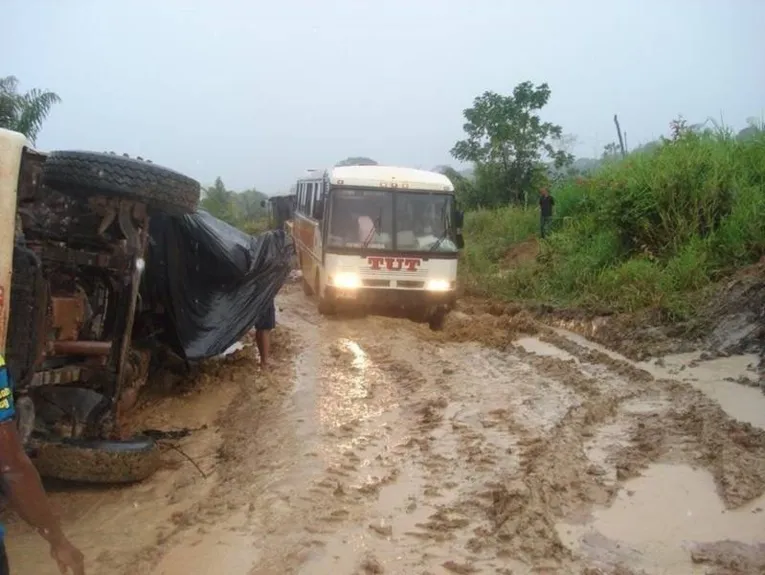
(619, 133)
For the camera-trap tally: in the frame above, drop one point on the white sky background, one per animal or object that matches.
(257, 91)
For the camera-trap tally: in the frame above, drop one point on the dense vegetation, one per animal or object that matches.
(240, 209)
(650, 230)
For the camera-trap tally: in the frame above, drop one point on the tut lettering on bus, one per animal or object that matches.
(394, 264)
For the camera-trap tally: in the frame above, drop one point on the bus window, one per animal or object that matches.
(361, 218)
(424, 222)
(318, 202)
(303, 199)
(299, 202)
(308, 200)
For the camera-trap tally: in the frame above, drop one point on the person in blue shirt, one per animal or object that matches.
(21, 485)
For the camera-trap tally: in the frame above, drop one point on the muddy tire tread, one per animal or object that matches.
(84, 462)
(90, 173)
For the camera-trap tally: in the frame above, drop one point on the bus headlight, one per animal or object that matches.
(438, 285)
(346, 280)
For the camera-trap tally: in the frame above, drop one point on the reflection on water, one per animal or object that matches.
(352, 387)
(360, 364)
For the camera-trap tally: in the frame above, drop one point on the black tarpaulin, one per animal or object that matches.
(212, 279)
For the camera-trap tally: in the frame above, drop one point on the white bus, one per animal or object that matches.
(382, 238)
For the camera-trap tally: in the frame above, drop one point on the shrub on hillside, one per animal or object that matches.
(639, 232)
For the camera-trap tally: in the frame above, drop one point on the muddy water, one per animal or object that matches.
(732, 381)
(115, 525)
(374, 447)
(656, 520)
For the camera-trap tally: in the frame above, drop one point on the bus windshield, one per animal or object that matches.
(361, 218)
(424, 222)
(364, 219)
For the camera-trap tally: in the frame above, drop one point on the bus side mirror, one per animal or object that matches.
(459, 218)
(460, 241)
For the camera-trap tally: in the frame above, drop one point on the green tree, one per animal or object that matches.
(219, 201)
(247, 205)
(611, 151)
(508, 142)
(464, 189)
(240, 209)
(24, 113)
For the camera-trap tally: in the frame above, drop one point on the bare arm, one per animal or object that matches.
(23, 487)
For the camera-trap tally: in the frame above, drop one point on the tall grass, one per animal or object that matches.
(652, 230)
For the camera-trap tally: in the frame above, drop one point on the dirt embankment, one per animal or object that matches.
(732, 322)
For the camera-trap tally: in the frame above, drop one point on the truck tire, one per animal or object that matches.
(97, 461)
(91, 173)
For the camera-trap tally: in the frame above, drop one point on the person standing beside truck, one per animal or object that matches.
(546, 204)
(263, 326)
(23, 489)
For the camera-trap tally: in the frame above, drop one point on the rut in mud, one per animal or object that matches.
(497, 446)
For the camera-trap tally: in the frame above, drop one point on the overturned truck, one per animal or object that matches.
(104, 262)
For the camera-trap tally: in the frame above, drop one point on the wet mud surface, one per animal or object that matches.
(729, 320)
(499, 446)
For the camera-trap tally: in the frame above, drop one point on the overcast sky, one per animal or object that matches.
(258, 91)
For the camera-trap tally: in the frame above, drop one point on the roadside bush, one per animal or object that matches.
(492, 232)
(645, 231)
(254, 227)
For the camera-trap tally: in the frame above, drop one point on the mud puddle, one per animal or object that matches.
(139, 516)
(730, 381)
(658, 519)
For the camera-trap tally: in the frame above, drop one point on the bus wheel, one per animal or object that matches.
(325, 307)
(307, 289)
(436, 320)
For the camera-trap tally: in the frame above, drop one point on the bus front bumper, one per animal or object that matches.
(401, 299)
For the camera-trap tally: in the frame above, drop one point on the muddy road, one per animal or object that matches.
(375, 446)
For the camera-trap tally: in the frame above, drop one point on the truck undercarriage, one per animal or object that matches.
(79, 330)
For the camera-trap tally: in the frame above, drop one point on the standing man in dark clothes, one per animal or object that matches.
(546, 203)
(263, 326)
(20, 483)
